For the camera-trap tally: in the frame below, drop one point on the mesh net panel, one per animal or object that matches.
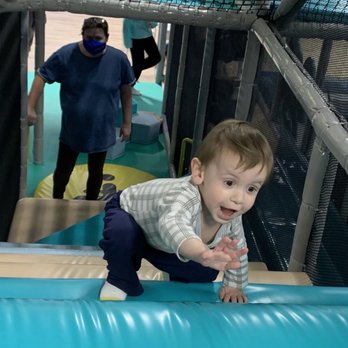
(281, 118)
(270, 224)
(326, 261)
(324, 11)
(259, 7)
(326, 61)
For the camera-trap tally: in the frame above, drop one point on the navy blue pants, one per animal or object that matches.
(124, 247)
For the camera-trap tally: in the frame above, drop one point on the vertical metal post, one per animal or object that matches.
(24, 104)
(203, 90)
(40, 20)
(178, 92)
(162, 40)
(249, 70)
(309, 205)
(169, 63)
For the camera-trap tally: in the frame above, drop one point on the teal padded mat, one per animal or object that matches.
(165, 291)
(87, 232)
(66, 313)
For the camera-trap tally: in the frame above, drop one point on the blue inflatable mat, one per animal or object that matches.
(163, 291)
(57, 313)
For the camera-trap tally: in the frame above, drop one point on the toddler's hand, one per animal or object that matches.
(229, 247)
(224, 256)
(228, 294)
(217, 260)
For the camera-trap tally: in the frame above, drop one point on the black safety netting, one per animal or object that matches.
(261, 8)
(271, 222)
(320, 11)
(270, 225)
(326, 62)
(324, 11)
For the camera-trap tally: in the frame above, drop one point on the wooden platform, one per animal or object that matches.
(63, 266)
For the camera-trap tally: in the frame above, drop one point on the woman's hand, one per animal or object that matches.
(125, 131)
(32, 116)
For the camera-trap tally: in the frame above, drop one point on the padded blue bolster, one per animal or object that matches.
(83, 321)
(161, 291)
(91, 324)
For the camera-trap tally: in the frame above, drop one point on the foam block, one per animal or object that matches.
(118, 149)
(145, 128)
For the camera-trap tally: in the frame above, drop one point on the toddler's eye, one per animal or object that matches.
(252, 189)
(228, 182)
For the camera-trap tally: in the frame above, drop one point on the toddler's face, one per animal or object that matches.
(228, 191)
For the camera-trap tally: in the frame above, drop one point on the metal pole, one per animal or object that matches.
(24, 104)
(145, 10)
(162, 40)
(169, 63)
(178, 92)
(249, 70)
(203, 90)
(309, 205)
(40, 21)
(164, 103)
(314, 182)
(287, 10)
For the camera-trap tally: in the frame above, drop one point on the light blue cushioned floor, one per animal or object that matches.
(86, 232)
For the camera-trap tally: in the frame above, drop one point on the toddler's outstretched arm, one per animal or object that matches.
(224, 256)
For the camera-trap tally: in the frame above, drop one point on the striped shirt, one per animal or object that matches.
(169, 211)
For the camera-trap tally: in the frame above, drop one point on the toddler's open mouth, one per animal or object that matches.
(227, 213)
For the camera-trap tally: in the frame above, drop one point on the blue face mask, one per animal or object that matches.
(94, 47)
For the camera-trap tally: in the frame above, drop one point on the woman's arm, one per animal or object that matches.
(126, 102)
(35, 93)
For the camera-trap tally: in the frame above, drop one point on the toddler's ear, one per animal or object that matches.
(196, 171)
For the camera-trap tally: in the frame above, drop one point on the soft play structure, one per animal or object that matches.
(280, 64)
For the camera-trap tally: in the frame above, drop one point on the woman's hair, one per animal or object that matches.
(95, 22)
(240, 138)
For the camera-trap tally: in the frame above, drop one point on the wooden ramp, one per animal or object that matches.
(36, 218)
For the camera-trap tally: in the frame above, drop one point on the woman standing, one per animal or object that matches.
(93, 78)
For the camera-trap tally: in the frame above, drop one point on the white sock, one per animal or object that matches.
(111, 293)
